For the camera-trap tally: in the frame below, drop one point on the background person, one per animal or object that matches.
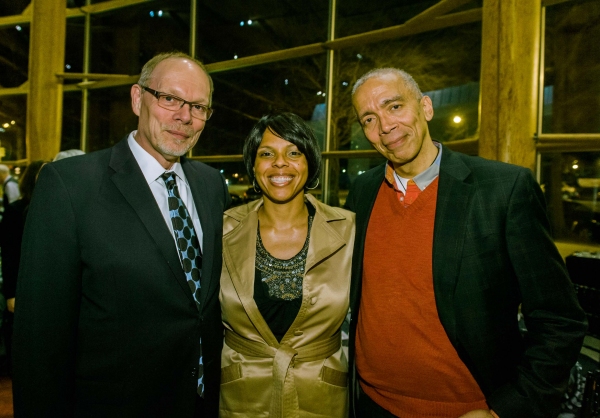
(10, 186)
(448, 246)
(11, 236)
(285, 283)
(118, 312)
(68, 153)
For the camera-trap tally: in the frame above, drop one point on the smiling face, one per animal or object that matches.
(395, 123)
(166, 134)
(280, 169)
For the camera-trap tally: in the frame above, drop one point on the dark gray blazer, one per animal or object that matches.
(106, 324)
(492, 251)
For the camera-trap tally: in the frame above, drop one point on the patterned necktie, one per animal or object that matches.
(412, 192)
(189, 250)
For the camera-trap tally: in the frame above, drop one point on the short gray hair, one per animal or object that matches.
(4, 169)
(68, 153)
(406, 78)
(149, 67)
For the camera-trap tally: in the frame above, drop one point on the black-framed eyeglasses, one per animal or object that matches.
(174, 103)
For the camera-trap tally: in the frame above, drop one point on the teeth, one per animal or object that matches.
(280, 179)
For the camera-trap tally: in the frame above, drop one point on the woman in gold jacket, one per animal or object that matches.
(285, 284)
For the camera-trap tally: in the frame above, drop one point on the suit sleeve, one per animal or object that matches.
(555, 322)
(48, 293)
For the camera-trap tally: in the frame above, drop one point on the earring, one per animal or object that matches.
(256, 187)
(314, 187)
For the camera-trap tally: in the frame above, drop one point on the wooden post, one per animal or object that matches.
(510, 80)
(46, 58)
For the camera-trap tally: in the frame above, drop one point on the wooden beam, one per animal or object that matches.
(509, 80)
(46, 58)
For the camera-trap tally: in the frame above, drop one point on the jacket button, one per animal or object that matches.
(298, 333)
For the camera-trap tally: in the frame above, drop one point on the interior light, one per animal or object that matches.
(160, 13)
(242, 23)
(575, 166)
(18, 27)
(249, 21)
(319, 93)
(344, 83)
(151, 13)
(12, 122)
(6, 125)
(68, 66)
(286, 81)
(359, 56)
(235, 57)
(457, 119)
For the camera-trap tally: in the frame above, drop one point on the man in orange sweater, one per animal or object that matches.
(448, 247)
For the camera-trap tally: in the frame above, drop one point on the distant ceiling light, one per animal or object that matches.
(6, 125)
(319, 93)
(359, 56)
(151, 13)
(344, 83)
(19, 28)
(324, 94)
(2, 130)
(575, 166)
(242, 23)
(249, 21)
(12, 122)
(235, 57)
(457, 119)
(286, 82)
(68, 66)
(222, 171)
(160, 13)
(344, 170)
(17, 170)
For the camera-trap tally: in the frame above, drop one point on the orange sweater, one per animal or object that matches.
(405, 360)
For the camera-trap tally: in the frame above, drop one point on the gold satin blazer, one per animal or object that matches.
(306, 374)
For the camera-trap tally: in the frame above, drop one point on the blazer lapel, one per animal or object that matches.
(454, 195)
(199, 190)
(130, 181)
(239, 254)
(324, 240)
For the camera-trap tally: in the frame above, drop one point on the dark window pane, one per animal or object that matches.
(124, 39)
(445, 64)
(111, 118)
(71, 127)
(243, 96)
(230, 29)
(75, 38)
(12, 127)
(571, 73)
(13, 7)
(14, 53)
(571, 182)
(238, 182)
(357, 16)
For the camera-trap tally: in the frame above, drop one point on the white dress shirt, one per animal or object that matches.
(152, 171)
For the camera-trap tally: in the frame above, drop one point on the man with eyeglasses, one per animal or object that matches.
(118, 291)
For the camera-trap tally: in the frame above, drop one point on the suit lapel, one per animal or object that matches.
(239, 255)
(454, 195)
(199, 190)
(130, 181)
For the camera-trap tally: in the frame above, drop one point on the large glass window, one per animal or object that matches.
(14, 55)
(124, 39)
(243, 96)
(572, 63)
(571, 182)
(227, 31)
(12, 127)
(110, 117)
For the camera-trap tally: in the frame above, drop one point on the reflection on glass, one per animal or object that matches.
(14, 53)
(255, 27)
(12, 127)
(238, 183)
(572, 59)
(445, 64)
(124, 39)
(110, 117)
(71, 125)
(243, 96)
(571, 182)
(343, 172)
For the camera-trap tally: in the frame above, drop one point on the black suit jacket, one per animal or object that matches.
(492, 251)
(106, 325)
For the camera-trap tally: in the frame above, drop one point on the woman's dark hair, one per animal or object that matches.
(27, 181)
(292, 128)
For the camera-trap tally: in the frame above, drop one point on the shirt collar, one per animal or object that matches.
(151, 169)
(422, 180)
